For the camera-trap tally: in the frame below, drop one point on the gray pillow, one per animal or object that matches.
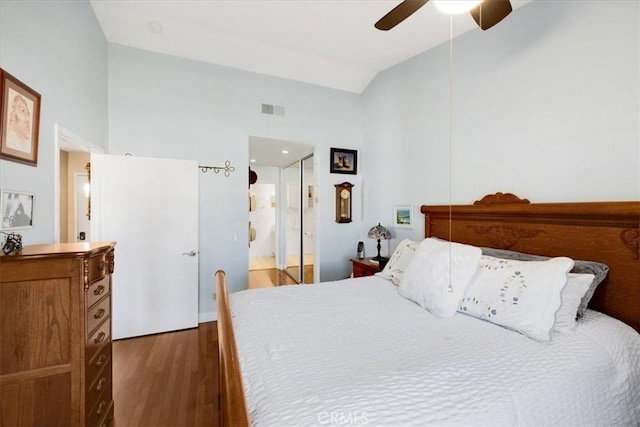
(599, 270)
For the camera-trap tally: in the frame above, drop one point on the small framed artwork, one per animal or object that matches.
(403, 216)
(19, 120)
(344, 161)
(17, 209)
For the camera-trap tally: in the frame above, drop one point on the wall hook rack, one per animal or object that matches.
(227, 168)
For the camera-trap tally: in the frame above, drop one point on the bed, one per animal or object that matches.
(355, 352)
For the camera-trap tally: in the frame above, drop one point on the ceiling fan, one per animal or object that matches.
(487, 14)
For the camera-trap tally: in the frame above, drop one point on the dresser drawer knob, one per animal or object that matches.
(101, 407)
(101, 336)
(99, 313)
(99, 290)
(101, 383)
(101, 360)
(101, 266)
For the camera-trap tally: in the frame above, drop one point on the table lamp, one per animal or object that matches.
(379, 232)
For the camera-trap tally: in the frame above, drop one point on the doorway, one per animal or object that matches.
(72, 199)
(281, 218)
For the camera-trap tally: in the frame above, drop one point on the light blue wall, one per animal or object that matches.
(58, 49)
(163, 106)
(545, 105)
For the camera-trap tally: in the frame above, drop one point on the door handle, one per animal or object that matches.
(190, 253)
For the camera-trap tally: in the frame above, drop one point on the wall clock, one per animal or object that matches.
(343, 202)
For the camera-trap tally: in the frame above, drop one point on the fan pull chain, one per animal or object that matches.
(450, 289)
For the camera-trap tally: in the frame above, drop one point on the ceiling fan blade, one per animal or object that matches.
(399, 14)
(490, 12)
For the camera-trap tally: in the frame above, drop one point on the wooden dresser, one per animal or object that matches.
(55, 335)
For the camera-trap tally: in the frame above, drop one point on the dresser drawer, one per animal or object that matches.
(99, 338)
(95, 365)
(96, 386)
(98, 313)
(102, 407)
(97, 290)
(98, 267)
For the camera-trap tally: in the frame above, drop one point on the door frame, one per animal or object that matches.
(64, 138)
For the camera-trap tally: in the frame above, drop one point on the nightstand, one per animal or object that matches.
(362, 267)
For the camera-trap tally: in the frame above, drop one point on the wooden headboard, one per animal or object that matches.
(606, 232)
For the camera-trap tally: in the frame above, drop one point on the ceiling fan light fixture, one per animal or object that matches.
(456, 7)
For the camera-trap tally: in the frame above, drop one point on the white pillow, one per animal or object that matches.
(438, 274)
(399, 261)
(520, 295)
(571, 296)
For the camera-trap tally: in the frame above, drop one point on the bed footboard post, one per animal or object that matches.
(233, 405)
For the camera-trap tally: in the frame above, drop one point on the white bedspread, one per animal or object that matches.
(354, 352)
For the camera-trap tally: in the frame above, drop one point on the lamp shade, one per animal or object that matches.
(379, 232)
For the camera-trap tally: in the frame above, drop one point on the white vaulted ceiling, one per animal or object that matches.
(330, 43)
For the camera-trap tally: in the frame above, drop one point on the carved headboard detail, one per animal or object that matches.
(500, 199)
(606, 232)
(503, 236)
(631, 238)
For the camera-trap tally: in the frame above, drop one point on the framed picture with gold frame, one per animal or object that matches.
(19, 120)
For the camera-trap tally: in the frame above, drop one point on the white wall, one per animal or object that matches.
(58, 49)
(163, 106)
(545, 105)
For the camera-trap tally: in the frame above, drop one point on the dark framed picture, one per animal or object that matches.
(344, 161)
(17, 209)
(19, 120)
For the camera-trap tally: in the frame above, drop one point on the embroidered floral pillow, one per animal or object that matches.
(399, 261)
(519, 295)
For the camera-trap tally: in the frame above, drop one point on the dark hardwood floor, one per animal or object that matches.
(168, 379)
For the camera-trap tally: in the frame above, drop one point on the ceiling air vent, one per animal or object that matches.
(272, 110)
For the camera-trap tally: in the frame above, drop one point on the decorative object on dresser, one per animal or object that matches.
(12, 244)
(366, 266)
(379, 232)
(55, 335)
(343, 202)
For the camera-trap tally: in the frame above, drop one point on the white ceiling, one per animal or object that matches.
(330, 43)
(269, 152)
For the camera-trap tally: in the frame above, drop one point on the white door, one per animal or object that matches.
(150, 208)
(81, 205)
